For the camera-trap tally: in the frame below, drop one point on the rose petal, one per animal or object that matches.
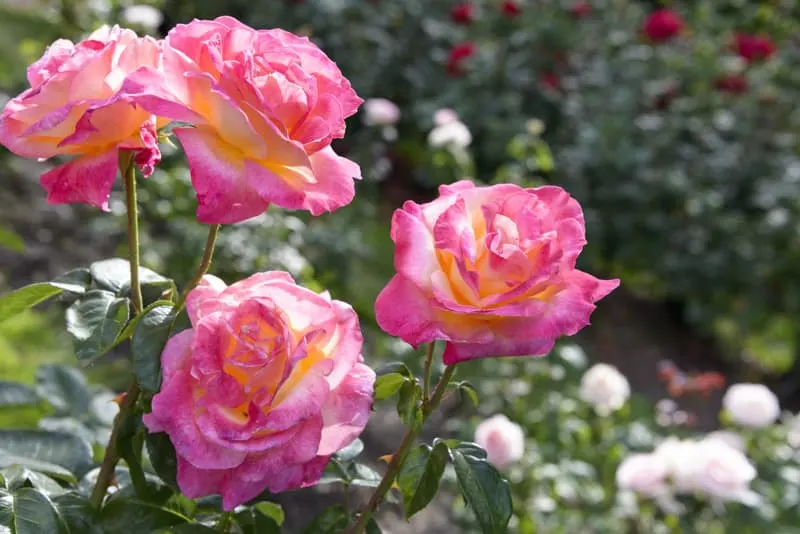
(86, 179)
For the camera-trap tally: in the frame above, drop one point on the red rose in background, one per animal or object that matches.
(458, 54)
(551, 81)
(662, 25)
(511, 8)
(753, 47)
(732, 83)
(463, 13)
(580, 10)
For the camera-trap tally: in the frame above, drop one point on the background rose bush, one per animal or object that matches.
(682, 151)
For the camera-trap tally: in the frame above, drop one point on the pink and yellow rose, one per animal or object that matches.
(263, 389)
(490, 270)
(264, 106)
(75, 108)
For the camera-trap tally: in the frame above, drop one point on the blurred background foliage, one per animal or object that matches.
(683, 153)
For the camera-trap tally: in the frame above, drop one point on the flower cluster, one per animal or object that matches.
(259, 110)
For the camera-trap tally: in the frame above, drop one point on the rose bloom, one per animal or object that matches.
(645, 474)
(511, 8)
(444, 116)
(662, 25)
(605, 388)
(265, 106)
(752, 405)
(753, 47)
(490, 270)
(463, 13)
(263, 389)
(454, 133)
(732, 83)
(680, 456)
(75, 108)
(380, 112)
(504, 440)
(458, 54)
(722, 472)
(580, 10)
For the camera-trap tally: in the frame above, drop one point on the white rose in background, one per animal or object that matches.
(445, 116)
(645, 474)
(451, 134)
(144, 16)
(724, 473)
(752, 405)
(680, 457)
(380, 112)
(503, 440)
(605, 388)
(732, 439)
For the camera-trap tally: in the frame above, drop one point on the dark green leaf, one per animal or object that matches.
(64, 388)
(190, 528)
(28, 511)
(26, 297)
(364, 476)
(95, 320)
(19, 477)
(162, 457)
(52, 470)
(254, 521)
(272, 510)
(115, 275)
(148, 342)
(372, 526)
(468, 390)
(133, 515)
(76, 281)
(485, 491)
(408, 404)
(78, 513)
(388, 384)
(394, 367)
(468, 448)
(14, 394)
(127, 332)
(130, 440)
(351, 451)
(65, 450)
(420, 475)
(332, 520)
(11, 240)
(163, 290)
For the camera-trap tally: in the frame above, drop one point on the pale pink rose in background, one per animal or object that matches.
(752, 405)
(263, 389)
(75, 108)
(444, 116)
(645, 474)
(605, 388)
(504, 440)
(731, 439)
(451, 134)
(380, 112)
(265, 106)
(723, 473)
(490, 270)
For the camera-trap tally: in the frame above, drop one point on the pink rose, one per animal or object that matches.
(265, 106)
(263, 389)
(503, 439)
(490, 270)
(75, 108)
(645, 474)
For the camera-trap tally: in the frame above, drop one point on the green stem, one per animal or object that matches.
(426, 377)
(205, 263)
(224, 522)
(397, 458)
(111, 457)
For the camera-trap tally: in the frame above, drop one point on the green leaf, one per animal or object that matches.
(28, 511)
(394, 367)
(159, 290)
(408, 404)
(15, 394)
(362, 475)
(130, 440)
(351, 451)
(148, 342)
(372, 526)
(52, 470)
(162, 457)
(64, 388)
(388, 384)
(115, 275)
(11, 240)
(26, 297)
(468, 390)
(78, 513)
(75, 281)
(485, 491)
(133, 515)
(420, 475)
(191, 528)
(17, 477)
(272, 510)
(127, 332)
(253, 521)
(332, 520)
(467, 448)
(65, 450)
(96, 320)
